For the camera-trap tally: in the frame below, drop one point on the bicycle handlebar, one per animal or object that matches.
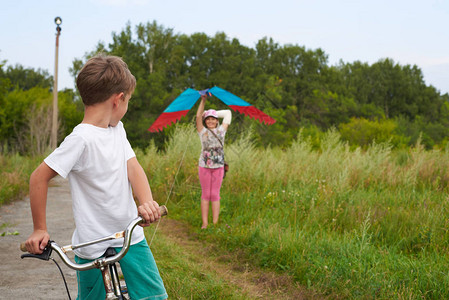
(99, 262)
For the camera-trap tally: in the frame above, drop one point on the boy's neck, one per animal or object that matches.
(98, 115)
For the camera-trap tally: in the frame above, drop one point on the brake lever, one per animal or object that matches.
(45, 255)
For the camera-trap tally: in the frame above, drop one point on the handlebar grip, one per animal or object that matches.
(163, 210)
(23, 248)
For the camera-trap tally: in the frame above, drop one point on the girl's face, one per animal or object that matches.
(211, 122)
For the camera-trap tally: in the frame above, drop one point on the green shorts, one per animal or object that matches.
(139, 269)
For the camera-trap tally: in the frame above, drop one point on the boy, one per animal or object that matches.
(103, 172)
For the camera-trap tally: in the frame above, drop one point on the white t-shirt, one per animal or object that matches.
(95, 161)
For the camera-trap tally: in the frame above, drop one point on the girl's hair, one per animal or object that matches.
(103, 76)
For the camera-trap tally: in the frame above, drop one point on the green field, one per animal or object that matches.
(351, 223)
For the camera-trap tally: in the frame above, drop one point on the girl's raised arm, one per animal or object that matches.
(199, 114)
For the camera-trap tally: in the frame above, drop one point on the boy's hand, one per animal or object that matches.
(37, 241)
(150, 212)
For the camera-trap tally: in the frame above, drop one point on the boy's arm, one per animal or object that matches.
(148, 208)
(38, 200)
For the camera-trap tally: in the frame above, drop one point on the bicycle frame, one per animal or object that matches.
(105, 264)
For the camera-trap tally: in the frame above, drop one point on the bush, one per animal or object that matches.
(362, 132)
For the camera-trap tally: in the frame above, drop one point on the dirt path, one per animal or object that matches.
(232, 267)
(33, 278)
(36, 279)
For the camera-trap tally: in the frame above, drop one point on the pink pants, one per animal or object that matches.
(210, 180)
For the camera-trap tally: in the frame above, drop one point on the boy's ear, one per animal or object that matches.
(117, 98)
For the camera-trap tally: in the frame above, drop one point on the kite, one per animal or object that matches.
(184, 102)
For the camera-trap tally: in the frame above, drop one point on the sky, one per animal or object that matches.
(411, 32)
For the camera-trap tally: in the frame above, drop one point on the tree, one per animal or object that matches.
(26, 78)
(294, 84)
(14, 113)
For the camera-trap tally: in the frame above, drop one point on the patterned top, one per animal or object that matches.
(212, 154)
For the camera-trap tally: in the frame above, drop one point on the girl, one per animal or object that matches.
(211, 162)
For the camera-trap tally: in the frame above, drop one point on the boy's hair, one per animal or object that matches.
(103, 76)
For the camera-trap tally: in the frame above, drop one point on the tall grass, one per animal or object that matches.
(355, 223)
(15, 171)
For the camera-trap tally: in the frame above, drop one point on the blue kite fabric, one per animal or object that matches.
(184, 102)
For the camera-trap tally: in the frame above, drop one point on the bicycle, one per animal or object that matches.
(106, 263)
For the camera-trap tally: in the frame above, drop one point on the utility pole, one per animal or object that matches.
(54, 124)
